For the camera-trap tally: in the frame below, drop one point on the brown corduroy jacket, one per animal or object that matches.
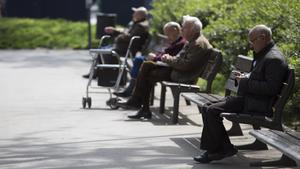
(190, 63)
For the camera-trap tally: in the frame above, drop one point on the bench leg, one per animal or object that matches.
(283, 161)
(175, 107)
(188, 103)
(256, 145)
(162, 99)
(235, 130)
(199, 108)
(152, 96)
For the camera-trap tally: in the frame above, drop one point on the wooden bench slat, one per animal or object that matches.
(202, 98)
(294, 134)
(193, 97)
(281, 141)
(210, 97)
(287, 136)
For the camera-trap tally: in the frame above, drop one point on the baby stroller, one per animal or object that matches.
(111, 72)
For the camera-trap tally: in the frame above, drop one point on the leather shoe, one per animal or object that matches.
(203, 158)
(87, 76)
(208, 157)
(128, 105)
(128, 90)
(142, 114)
(122, 94)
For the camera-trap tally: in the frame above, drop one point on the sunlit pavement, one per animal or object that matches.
(43, 125)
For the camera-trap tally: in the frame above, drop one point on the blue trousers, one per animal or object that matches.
(137, 62)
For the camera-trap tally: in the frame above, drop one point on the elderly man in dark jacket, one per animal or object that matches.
(257, 92)
(185, 67)
(139, 26)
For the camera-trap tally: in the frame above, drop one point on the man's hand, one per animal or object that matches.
(151, 56)
(166, 57)
(109, 29)
(238, 76)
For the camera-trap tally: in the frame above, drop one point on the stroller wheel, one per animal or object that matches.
(89, 102)
(112, 103)
(83, 102)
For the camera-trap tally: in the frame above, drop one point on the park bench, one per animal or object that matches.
(274, 122)
(212, 68)
(287, 142)
(243, 64)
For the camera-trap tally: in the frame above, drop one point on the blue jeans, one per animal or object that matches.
(137, 62)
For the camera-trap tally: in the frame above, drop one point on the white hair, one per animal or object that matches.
(173, 25)
(262, 30)
(197, 24)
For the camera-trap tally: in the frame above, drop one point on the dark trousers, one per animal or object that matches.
(214, 136)
(149, 74)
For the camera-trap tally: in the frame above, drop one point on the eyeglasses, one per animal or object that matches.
(251, 41)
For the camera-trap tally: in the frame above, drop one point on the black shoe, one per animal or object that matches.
(128, 105)
(128, 91)
(207, 157)
(203, 158)
(142, 114)
(87, 76)
(122, 94)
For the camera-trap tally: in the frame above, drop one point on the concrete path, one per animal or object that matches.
(42, 124)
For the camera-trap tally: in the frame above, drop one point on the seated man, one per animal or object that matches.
(139, 26)
(185, 67)
(173, 32)
(257, 91)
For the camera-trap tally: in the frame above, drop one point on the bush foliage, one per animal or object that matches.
(227, 23)
(45, 33)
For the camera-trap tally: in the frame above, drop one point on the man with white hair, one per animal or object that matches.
(184, 67)
(139, 26)
(256, 94)
(172, 31)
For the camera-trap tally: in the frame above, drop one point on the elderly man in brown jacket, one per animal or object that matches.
(185, 67)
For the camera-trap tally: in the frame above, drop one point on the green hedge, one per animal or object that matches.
(172, 10)
(19, 33)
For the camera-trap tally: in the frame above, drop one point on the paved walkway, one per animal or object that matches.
(42, 124)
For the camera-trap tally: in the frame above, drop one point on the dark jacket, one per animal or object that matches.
(140, 28)
(190, 63)
(173, 49)
(265, 81)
